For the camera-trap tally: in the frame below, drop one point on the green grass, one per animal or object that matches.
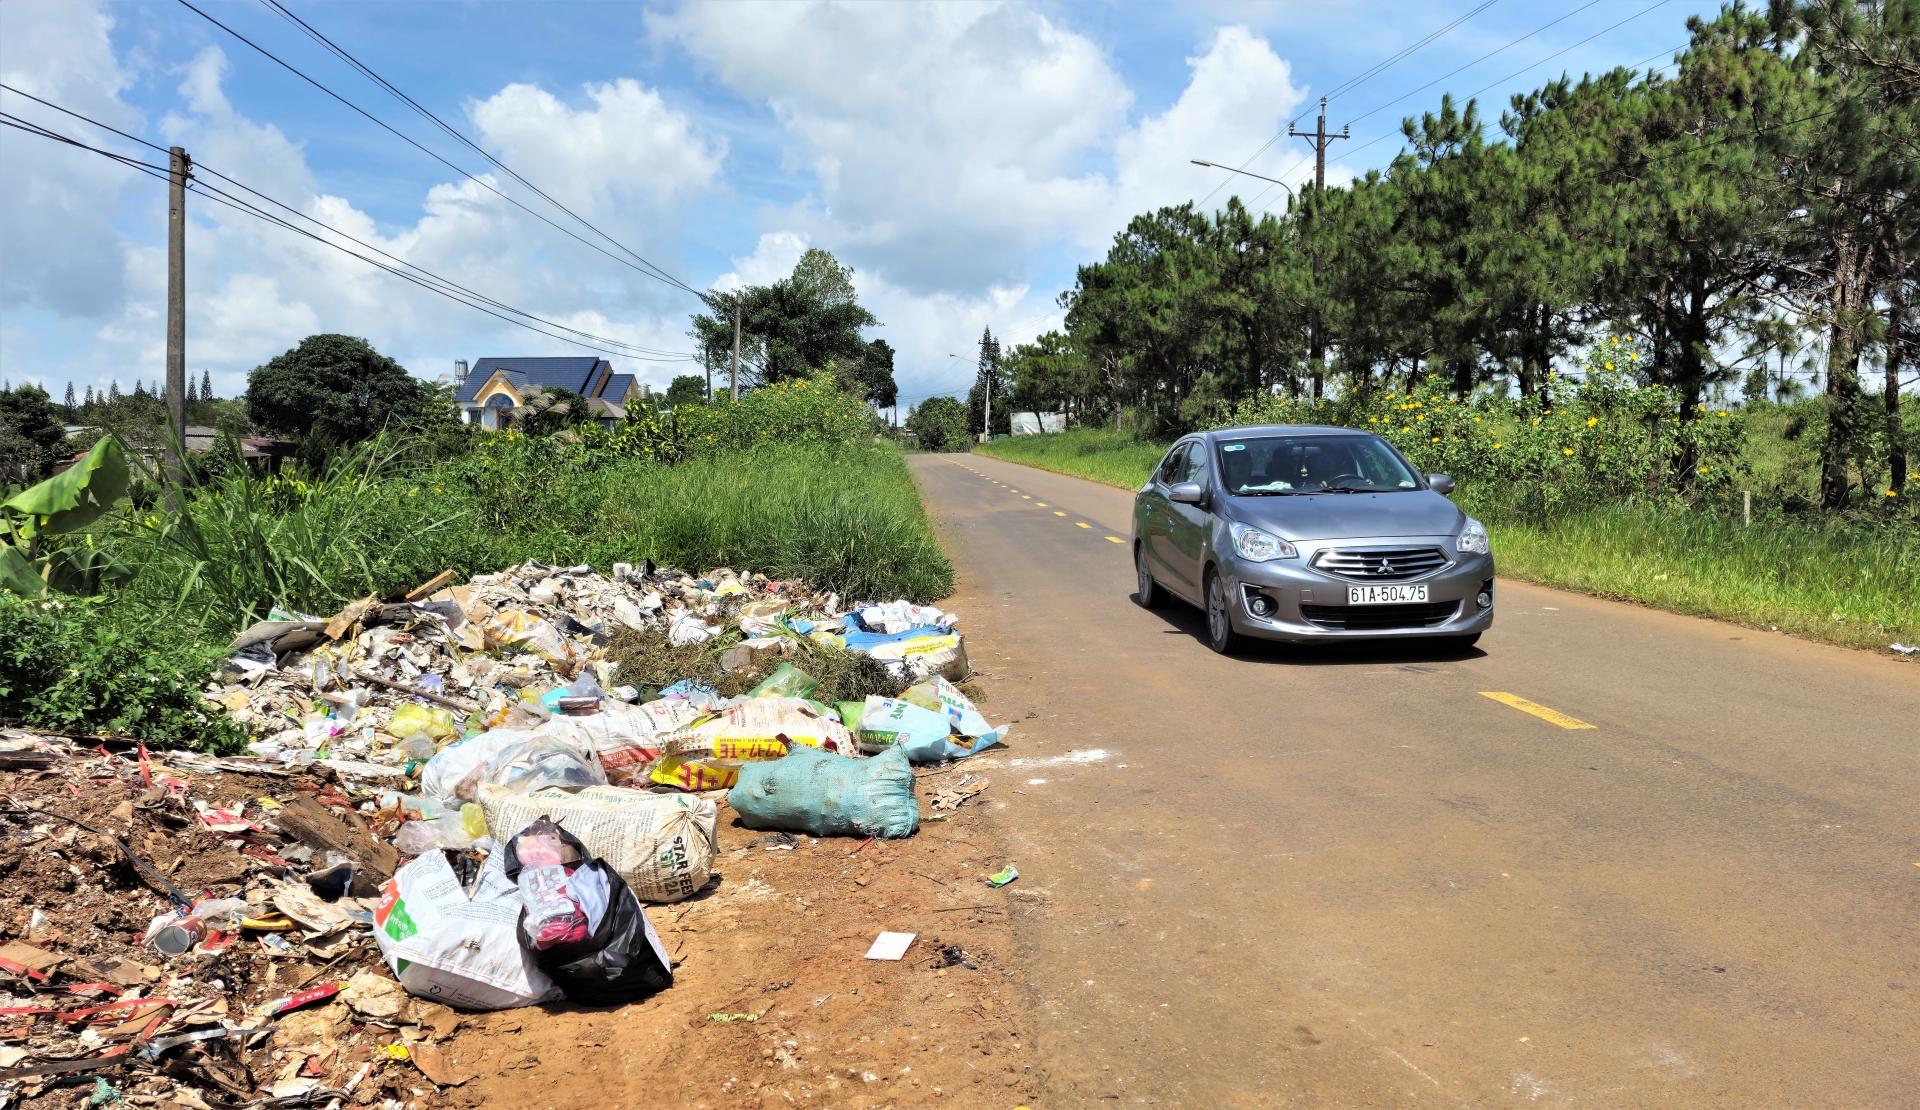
(1841, 581)
(845, 517)
(1838, 583)
(1115, 458)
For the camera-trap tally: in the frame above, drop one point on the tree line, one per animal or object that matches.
(1754, 206)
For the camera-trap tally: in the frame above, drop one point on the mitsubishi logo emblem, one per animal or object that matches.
(1386, 566)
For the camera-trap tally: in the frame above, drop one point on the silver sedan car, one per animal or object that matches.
(1304, 533)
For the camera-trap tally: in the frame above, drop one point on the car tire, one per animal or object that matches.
(1151, 594)
(1220, 634)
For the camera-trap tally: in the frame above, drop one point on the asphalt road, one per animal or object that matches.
(1348, 878)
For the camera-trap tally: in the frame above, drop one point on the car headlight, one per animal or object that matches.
(1259, 547)
(1473, 538)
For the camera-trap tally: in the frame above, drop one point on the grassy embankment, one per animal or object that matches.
(827, 505)
(1836, 582)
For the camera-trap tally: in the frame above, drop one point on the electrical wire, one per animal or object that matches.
(1409, 51)
(361, 67)
(447, 289)
(1533, 65)
(649, 269)
(1355, 82)
(636, 350)
(1481, 58)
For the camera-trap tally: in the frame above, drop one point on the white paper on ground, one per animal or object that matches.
(890, 946)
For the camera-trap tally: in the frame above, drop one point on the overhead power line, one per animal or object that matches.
(1532, 65)
(643, 266)
(1408, 52)
(398, 267)
(1353, 83)
(458, 136)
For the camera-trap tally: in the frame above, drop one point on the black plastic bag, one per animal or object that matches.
(622, 961)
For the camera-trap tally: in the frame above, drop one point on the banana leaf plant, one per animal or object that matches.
(42, 544)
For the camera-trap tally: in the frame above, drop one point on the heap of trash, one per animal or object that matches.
(455, 772)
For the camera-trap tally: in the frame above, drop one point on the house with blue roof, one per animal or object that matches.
(495, 385)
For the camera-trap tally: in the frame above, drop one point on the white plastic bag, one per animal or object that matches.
(444, 771)
(454, 949)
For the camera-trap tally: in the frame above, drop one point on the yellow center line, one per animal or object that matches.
(1040, 504)
(1026, 497)
(1057, 512)
(1115, 539)
(1553, 716)
(1081, 524)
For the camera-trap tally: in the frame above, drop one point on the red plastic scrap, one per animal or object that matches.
(295, 1001)
(146, 769)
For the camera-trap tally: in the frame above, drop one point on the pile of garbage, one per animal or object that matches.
(447, 806)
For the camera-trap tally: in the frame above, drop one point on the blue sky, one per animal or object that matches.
(963, 158)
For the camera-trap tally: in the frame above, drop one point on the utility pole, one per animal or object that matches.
(1316, 339)
(178, 164)
(706, 362)
(736, 345)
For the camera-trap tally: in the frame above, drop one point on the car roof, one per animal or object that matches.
(1283, 430)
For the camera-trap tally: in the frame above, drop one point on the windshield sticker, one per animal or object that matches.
(1234, 447)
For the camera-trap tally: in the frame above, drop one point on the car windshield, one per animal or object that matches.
(1312, 464)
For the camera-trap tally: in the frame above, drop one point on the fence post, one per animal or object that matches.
(1746, 507)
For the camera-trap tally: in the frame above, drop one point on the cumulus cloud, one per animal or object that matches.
(63, 256)
(955, 151)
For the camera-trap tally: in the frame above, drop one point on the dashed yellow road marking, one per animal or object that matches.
(1040, 504)
(1553, 716)
(1115, 539)
(1057, 512)
(1026, 497)
(1081, 524)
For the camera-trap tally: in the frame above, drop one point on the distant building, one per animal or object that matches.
(497, 384)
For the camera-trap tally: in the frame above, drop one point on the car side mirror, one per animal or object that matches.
(1441, 484)
(1187, 493)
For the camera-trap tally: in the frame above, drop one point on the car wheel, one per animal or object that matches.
(1220, 634)
(1151, 594)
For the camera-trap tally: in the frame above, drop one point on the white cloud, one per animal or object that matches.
(954, 147)
(62, 254)
(773, 257)
(948, 142)
(630, 146)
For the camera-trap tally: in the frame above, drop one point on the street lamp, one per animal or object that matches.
(1230, 169)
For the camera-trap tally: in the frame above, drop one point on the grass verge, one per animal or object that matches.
(1841, 582)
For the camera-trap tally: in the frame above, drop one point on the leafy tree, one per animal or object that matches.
(332, 391)
(31, 434)
(790, 329)
(940, 423)
(687, 389)
(876, 375)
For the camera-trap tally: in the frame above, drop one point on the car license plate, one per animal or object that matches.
(1386, 595)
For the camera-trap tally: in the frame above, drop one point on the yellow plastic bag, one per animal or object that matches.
(414, 719)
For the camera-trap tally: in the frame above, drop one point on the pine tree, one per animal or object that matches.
(113, 390)
(89, 400)
(69, 394)
(206, 385)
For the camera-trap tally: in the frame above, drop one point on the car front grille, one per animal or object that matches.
(1380, 564)
(1357, 618)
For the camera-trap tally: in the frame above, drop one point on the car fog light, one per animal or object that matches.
(1484, 600)
(1260, 605)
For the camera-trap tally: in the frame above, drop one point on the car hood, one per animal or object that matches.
(1341, 516)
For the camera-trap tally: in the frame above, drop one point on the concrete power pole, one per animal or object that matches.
(735, 389)
(1316, 339)
(706, 362)
(178, 164)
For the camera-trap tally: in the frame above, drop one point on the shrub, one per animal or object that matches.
(65, 665)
